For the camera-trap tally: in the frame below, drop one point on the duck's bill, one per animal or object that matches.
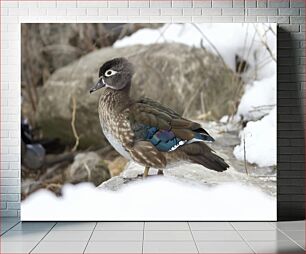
(97, 86)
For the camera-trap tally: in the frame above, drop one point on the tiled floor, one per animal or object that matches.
(152, 237)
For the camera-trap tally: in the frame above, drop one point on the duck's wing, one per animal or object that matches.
(157, 105)
(163, 127)
(158, 131)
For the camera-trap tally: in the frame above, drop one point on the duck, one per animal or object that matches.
(145, 131)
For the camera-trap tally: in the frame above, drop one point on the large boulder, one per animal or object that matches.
(87, 167)
(189, 80)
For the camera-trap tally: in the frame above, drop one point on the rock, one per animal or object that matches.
(192, 81)
(59, 55)
(114, 184)
(117, 165)
(87, 167)
(191, 174)
(33, 155)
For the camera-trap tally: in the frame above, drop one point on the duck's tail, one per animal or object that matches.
(202, 154)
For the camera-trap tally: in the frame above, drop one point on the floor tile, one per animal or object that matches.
(5, 228)
(22, 236)
(167, 226)
(301, 243)
(168, 236)
(120, 226)
(114, 247)
(7, 225)
(2, 231)
(295, 234)
(105, 236)
(17, 247)
(9, 220)
(169, 247)
(63, 226)
(60, 247)
(221, 226)
(253, 226)
(276, 247)
(223, 247)
(70, 236)
(33, 226)
(219, 236)
(291, 225)
(274, 235)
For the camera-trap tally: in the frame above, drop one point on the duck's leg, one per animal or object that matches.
(146, 171)
(160, 172)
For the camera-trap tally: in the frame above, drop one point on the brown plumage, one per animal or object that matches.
(146, 131)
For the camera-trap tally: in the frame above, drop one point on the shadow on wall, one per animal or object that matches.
(290, 130)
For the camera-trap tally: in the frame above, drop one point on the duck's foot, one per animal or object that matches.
(146, 173)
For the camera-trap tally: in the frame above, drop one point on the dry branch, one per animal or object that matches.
(77, 138)
(244, 156)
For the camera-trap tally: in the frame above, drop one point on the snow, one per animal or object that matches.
(260, 141)
(258, 100)
(224, 119)
(258, 106)
(155, 199)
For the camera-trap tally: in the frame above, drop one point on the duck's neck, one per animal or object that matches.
(116, 100)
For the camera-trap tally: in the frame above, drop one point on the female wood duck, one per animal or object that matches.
(145, 131)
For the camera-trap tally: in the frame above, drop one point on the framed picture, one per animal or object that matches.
(149, 122)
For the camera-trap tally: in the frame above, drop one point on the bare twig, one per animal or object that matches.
(188, 104)
(162, 33)
(244, 156)
(29, 85)
(88, 170)
(204, 116)
(77, 138)
(265, 43)
(245, 57)
(262, 108)
(202, 103)
(210, 43)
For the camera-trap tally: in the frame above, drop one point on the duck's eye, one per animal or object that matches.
(109, 73)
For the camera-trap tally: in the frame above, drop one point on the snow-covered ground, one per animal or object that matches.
(156, 198)
(258, 140)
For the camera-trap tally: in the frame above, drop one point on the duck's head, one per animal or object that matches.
(115, 74)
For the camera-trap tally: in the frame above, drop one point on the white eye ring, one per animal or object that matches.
(109, 73)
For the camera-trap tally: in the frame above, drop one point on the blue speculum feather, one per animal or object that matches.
(204, 137)
(165, 140)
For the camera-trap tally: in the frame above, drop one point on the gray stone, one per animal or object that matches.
(87, 167)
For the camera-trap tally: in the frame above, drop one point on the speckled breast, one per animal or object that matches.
(116, 128)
